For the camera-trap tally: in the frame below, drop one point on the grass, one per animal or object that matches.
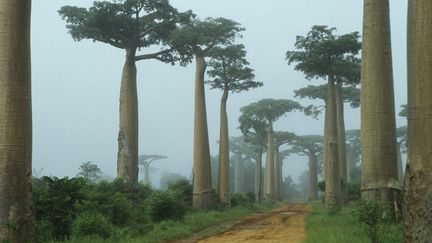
(174, 230)
(342, 226)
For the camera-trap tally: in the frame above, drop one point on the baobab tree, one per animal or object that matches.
(243, 151)
(353, 154)
(418, 179)
(131, 25)
(280, 138)
(310, 146)
(145, 160)
(268, 111)
(254, 131)
(202, 37)
(378, 125)
(323, 55)
(16, 214)
(228, 72)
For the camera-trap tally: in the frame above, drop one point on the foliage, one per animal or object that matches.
(354, 190)
(92, 224)
(267, 110)
(343, 226)
(229, 70)
(129, 24)
(370, 214)
(183, 190)
(241, 199)
(162, 205)
(291, 190)
(168, 178)
(89, 171)
(56, 201)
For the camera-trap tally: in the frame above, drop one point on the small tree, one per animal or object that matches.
(145, 161)
(229, 71)
(89, 171)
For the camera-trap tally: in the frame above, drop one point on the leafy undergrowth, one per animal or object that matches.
(343, 226)
(173, 230)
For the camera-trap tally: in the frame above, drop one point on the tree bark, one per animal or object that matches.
(224, 175)
(16, 207)
(147, 174)
(258, 174)
(378, 128)
(326, 123)
(332, 185)
(238, 173)
(270, 167)
(313, 177)
(278, 175)
(202, 198)
(418, 179)
(400, 164)
(351, 164)
(127, 157)
(341, 142)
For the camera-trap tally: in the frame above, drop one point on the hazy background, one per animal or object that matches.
(76, 85)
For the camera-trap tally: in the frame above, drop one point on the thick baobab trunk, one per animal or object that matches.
(238, 173)
(332, 179)
(313, 177)
(326, 123)
(224, 175)
(258, 174)
(147, 174)
(278, 175)
(127, 157)
(341, 142)
(270, 168)
(418, 174)
(16, 208)
(378, 128)
(202, 198)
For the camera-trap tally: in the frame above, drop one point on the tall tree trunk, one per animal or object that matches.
(332, 185)
(127, 156)
(418, 179)
(378, 128)
(202, 198)
(313, 177)
(224, 169)
(16, 208)
(341, 142)
(147, 174)
(278, 174)
(270, 168)
(238, 173)
(258, 174)
(324, 156)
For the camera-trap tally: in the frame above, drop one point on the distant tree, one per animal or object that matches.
(321, 54)
(89, 171)
(418, 179)
(145, 161)
(268, 111)
(243, 152)
(291, 189)
(310, 146)
(379, 165)
(16, 211)
(202, 36)
(131, 25)
(167, 178)
(229, 71)
(281, 138)
(353, 154)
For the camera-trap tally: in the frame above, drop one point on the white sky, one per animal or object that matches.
(76, 85)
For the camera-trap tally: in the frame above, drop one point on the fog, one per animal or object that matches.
(76, 85)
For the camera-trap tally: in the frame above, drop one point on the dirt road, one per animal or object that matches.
(284, 224)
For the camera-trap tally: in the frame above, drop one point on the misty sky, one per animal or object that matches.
(76, 85)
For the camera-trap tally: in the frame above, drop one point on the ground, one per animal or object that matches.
(284, 224)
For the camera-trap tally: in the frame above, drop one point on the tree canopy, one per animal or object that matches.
(129, 24)
(266, 110)
(229, 69)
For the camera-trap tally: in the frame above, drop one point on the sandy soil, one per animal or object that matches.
(284, 224)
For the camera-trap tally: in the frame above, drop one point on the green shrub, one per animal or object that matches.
(183, 189)
(120, 209)
(240, 199)
(92, 224)
(370, 215)
(163, 205)
(354, 191)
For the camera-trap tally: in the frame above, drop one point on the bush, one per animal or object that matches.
(92, 224)
(164, 205)
(240, 199)
(183, 189)
(354, 191)
(370, 214)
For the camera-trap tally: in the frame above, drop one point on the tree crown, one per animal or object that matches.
(269, 110)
